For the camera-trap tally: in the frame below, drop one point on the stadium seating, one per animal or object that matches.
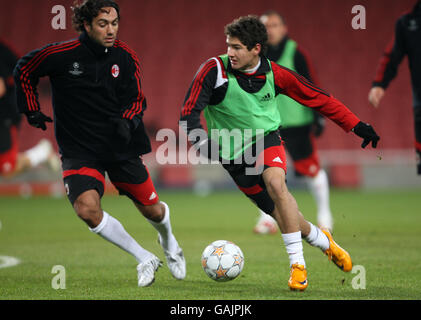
(173, 38)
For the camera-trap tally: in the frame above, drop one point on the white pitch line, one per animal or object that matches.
(7, 262)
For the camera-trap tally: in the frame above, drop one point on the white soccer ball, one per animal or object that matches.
(222, 260)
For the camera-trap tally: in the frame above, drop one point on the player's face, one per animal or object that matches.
(240, 56)
(275, 28)
(104, 27)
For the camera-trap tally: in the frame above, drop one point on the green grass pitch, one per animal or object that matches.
(381, 231)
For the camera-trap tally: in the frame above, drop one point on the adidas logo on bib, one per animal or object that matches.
(266, 97)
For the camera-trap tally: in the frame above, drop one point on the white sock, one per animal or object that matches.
(319, 188)
(113, 231)
(266, 217)
(168, 241)
(39, 153)
(294, 247)
(317, 238)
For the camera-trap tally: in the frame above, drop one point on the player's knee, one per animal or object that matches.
(153, 212)
(87, 207)
(276, 186)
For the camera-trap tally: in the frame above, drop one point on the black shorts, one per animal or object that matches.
(130, 177)
(301, 146)
(252, 185)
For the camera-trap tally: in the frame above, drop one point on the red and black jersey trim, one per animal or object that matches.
(384, 61)
(197, 86)
(137, 106)
(34, 63)
(303, 80)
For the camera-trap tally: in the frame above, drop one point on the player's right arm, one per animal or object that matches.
(388, 65)
(29, 69)
(197, 99)
(199, 95)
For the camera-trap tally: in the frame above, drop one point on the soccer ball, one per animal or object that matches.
(222, 260)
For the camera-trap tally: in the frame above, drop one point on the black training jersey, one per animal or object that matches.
(406, 41)
(90, 85)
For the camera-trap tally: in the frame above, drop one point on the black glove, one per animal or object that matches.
(37, 119)
(318, 125)
(123, 128)
(366, 131)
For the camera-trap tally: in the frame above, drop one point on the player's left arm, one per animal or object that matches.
(306, 93)
(131, 96)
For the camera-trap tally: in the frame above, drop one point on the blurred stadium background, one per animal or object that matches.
(172, 39)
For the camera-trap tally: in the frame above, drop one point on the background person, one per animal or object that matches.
(13, 162)
(407, 41)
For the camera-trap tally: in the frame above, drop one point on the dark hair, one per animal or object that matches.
(89, 10)
(249, 30)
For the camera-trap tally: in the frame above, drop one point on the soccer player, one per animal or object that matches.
(98, 106)
(237, 93)
(13, 162)
(406, 41)
(300, 125)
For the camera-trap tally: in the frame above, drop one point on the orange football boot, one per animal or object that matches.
(338, 255)
(298, 278)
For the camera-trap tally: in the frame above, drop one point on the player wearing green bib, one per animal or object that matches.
(300, 125)
(237, 93)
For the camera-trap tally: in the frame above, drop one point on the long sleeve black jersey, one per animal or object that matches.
(406, 41)
(90, 85)
(8, 60)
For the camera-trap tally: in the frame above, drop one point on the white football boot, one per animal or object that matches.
(266, 225)
(52, 160)
(146, 271)
(176, 262)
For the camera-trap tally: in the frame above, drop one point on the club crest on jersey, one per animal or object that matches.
(413, 25)
(115, 70)
(76, 69)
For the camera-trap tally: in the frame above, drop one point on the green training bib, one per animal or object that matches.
(242, 117)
